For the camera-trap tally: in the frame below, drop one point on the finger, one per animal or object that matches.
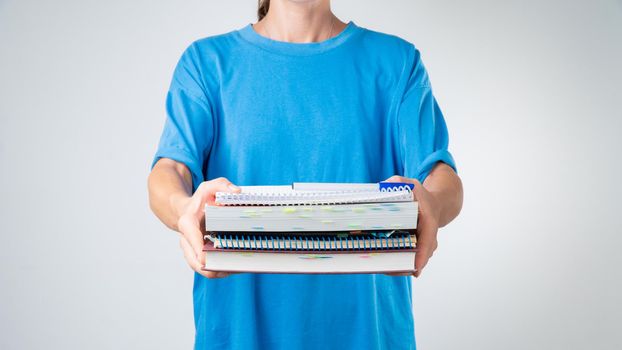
(426, 244)
(189, 255)
(418, 191)
(188, 225)
(396, 178)
(194, 263)
(222, 184)
(427, 229)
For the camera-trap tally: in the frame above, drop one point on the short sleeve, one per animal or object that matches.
(422, 132)
(188, 129)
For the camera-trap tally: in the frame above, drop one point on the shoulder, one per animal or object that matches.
(386, 40)
(201, 61)
(218, 42)
(396, 55)
(388, 45)
(209, 47)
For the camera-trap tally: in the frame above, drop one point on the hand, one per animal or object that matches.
(427, 224)
(190, 223)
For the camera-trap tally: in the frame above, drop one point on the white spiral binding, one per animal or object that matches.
(401, 193)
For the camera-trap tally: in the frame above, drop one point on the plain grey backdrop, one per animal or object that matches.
(531, 92)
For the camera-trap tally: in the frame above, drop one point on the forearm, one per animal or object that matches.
(170, 188)
(445, 185)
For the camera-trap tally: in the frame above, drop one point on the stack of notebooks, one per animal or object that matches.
(313, 228)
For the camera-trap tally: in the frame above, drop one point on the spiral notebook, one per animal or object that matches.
(377, 252)
(317, 194)
(313, 228)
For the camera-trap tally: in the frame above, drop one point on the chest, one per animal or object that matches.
(305, 102)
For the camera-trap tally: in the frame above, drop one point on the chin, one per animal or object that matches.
(304, 1)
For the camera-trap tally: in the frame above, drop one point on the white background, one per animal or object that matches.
(531, 92)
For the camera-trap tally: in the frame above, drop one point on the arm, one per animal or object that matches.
(170, 189)
(440, 201)
(171, 199)
(445, 185)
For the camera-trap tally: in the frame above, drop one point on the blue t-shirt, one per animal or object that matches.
(354, 108)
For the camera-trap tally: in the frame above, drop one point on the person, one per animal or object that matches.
(301, 96)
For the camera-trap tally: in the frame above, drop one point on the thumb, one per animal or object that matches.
(207, 190)
(221, 184)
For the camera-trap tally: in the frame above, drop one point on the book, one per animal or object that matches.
(313, 228)
(343, 217)
(385, 252)
(309, 262)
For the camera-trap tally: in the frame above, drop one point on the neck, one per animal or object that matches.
(299, 21)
